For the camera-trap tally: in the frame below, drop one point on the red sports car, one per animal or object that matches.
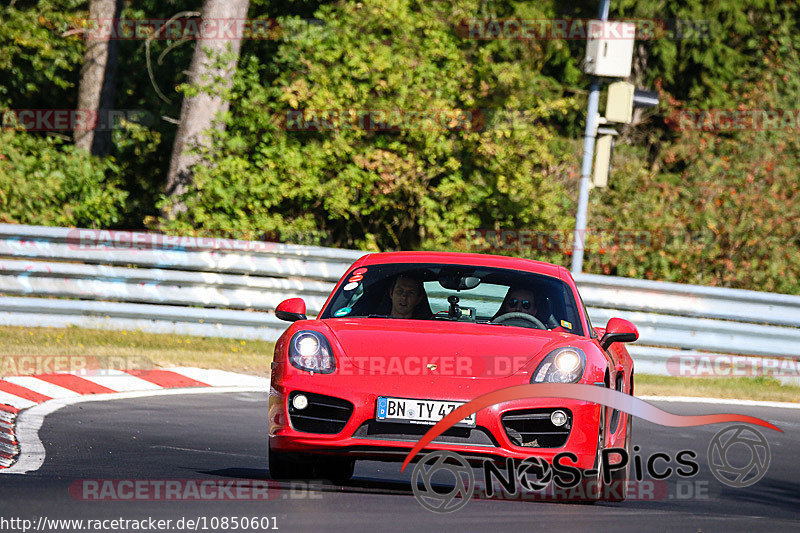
(406, 337)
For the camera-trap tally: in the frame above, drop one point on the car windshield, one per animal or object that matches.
(463, 293)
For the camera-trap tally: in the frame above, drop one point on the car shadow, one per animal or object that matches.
(780, 495)
(355, 485)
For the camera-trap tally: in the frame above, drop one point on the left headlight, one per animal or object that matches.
(310, 351)
(562, 365)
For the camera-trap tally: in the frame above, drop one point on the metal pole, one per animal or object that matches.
(586, 166)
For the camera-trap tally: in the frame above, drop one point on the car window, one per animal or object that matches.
(366, 292)
(486, 298)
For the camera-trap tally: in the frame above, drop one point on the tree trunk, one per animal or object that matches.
(198, 112)
(97, 85)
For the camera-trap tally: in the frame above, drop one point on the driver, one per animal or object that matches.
(409, 299)
(518, 300)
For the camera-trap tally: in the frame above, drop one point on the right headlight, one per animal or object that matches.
(310, 351)
(562, 365)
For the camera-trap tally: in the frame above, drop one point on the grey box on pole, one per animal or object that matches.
(609, 48)
(602, 161)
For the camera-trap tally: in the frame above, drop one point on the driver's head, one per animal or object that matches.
(518, 301)
(406, 292)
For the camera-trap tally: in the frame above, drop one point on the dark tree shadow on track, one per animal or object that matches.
(778, 494)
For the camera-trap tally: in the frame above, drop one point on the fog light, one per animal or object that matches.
(558, 418)
(300, 402)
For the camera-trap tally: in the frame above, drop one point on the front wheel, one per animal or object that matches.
(594, 486)
(621, 477)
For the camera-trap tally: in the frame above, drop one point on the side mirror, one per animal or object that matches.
(291, 310)
(619, 330)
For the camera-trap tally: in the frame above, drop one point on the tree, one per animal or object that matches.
(97, 85)
(210, 75)
(366, 129)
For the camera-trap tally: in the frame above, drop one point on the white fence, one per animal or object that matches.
(226, 288)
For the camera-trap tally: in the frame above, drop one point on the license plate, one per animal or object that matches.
(418, 411)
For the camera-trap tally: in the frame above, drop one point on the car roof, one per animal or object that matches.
(460, 258)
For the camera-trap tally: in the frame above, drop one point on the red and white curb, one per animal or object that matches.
(26, 400)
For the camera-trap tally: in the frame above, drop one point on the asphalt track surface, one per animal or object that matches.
(223, 436)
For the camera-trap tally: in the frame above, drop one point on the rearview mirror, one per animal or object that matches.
(619, 330)
(291, 310)
(459, 283)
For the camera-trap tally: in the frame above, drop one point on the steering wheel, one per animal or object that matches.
(517, 316)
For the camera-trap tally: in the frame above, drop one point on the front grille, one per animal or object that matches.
(324, 414)
(374, 429)
(533, 428)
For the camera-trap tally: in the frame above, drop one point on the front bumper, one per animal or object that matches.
(363, 437)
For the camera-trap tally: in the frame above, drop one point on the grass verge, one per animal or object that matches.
(129, 349)
(744, 388)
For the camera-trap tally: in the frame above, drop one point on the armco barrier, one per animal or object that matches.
(228, 288)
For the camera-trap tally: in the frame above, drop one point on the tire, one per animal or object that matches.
(599, 486)
(620, 478)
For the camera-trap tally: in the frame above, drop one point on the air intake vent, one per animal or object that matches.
(533, 428)
(321, 414)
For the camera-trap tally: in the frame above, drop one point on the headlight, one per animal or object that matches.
(310, 351)
(562, 365)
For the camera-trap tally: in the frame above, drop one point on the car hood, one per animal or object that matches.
(408, 347)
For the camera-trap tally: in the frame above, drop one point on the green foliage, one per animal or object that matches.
(414, 187)
(716, 207)
(707, 51)
(45, 182)
(41, 51)
(143, 153)
(38, 65)
(709, 207)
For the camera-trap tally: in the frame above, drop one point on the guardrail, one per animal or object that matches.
(228, 288)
